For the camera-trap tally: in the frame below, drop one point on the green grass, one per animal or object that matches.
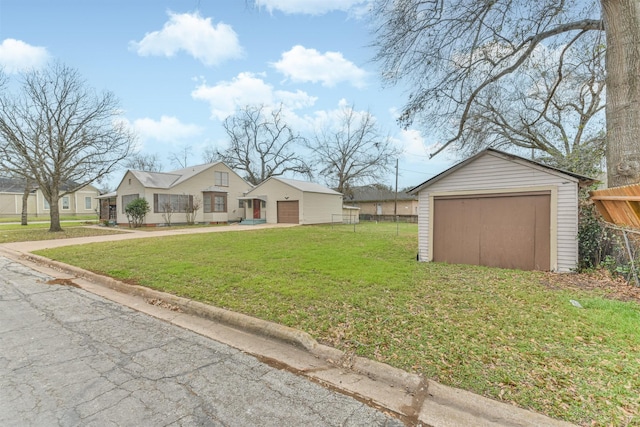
(45, 218)
(500, 333)
(10, 233)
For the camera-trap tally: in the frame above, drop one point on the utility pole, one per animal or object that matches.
(395, 206)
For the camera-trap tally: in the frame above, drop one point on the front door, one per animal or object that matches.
(256, 208)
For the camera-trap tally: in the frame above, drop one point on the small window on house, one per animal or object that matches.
(264, 204)
(222, 179)
(129, 181)
(249, 203)
(241, 204)
(46, 205)
(220, 203)
(87, 203)
(65, 203)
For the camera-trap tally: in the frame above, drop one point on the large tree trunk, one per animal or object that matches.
(622, 27)
(54, 211)
(25, 202)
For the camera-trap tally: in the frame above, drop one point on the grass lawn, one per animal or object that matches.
(31, 218)
(510, 335)
(40, 231)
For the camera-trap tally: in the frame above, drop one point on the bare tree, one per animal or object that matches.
(559, 120)
(262, 144)
(167, 211)
(191, 208)
(61, 133)
(452, 52)
(143, 162)
(180, 159)
(352, 150)
(210, 155)
(28, 189)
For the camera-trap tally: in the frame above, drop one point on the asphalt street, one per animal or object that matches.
(71, 358)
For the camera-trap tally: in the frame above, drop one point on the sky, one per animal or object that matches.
(179, 68)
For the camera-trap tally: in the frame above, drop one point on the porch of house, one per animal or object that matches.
(253, 221)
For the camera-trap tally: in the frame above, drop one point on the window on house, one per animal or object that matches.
(222, 179)
(46, 205)
(87, 203)
(249, 203)
(214, 202)
(128, 199)
(241, 204)
(220, 203)
(66, 203)
(263, 204)
(178, 203)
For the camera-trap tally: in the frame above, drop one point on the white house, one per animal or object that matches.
(281, 200)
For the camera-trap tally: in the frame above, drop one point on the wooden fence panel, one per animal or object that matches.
(619, 205)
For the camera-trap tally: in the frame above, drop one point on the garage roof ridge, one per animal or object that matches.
(507, 156)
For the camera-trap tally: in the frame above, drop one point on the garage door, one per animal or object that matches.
(496, 230)
(288, 212)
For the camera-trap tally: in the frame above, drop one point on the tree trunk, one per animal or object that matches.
(622, 27)
(54, 210)
(25, 202)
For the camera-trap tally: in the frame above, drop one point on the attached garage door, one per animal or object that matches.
(496, 230)
(288, 212)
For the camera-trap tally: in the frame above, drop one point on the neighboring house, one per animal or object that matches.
(500, 210)
(214, 187)
(378, 203)
(80, 202)
(281, 200)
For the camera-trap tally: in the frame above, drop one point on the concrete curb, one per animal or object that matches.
(372, 369)
(426, 403)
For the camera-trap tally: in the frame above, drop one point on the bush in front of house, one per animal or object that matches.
(136, 210)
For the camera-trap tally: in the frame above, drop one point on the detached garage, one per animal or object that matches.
(500, 210)
(290, 201)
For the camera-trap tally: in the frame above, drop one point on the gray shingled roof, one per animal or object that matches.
(16, 185)
(309, 187)
(168, 179)
(11, 185)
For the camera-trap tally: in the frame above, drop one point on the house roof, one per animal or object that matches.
(372, 193)
(107, 195)
(170, 179)
(507, 156)
(16, 185)
(305, 186)
(11, 185)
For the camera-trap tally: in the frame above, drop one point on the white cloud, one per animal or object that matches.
(17, 56)
(247, 89)
(308, 65)
(210, 44)
(167, 129)
(413, 145)
(310, 7)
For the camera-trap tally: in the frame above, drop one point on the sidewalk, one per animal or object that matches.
(415, 400)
